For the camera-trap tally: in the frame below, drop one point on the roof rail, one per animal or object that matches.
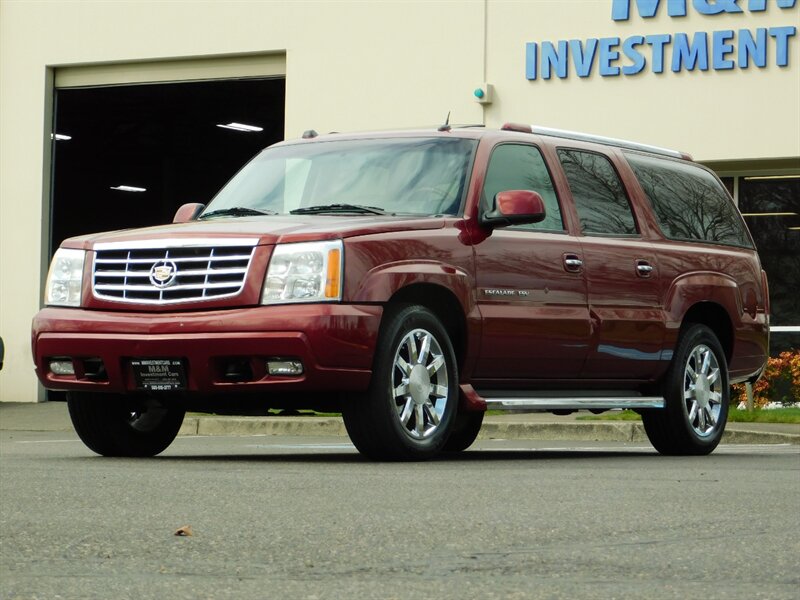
(599, 139)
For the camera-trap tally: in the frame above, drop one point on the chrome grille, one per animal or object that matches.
(178, 271)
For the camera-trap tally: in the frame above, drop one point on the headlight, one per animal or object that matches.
(65, 278)
(305, 272)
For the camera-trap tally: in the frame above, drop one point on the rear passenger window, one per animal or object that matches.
(689, 203)
(599, 197)
(518, 167)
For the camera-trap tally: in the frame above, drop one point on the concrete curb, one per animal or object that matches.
(600, 431)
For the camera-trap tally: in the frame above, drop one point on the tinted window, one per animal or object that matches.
(517, 167)
(599, 197)
(689, 202)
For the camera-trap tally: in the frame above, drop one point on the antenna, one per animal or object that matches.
(446, 126)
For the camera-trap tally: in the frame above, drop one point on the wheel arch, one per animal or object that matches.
(708, 298)
(443, 303)
(715, 317)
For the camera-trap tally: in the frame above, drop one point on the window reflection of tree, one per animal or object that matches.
(425, 177)
(517, 167)
(599, 198)
(688, 202)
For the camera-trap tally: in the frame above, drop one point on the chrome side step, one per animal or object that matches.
(573, 403)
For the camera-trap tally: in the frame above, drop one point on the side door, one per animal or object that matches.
(530, 293)
(621, 272)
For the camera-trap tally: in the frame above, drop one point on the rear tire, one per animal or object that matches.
(696, 394)
(118, 425)
(409, 409)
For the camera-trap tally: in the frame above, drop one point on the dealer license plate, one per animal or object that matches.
(159, 374)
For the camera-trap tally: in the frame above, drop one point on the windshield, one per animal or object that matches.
(423, 176)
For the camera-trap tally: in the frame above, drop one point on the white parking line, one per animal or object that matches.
(304, 446)
(44, 441)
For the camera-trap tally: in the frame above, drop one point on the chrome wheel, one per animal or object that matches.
(419, 383)
(410, 407)
(696, 396)
(702, 392)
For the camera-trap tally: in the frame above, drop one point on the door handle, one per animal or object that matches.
(643, 268)
(572, 263)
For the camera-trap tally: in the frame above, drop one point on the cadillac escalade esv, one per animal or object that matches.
(411, 280)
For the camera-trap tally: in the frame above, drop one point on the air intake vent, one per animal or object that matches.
(178, 271)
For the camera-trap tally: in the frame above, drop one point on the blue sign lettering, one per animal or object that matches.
(636, 57)
(658, 42)
(689, 56)
(753, 47)
(722, 50)
(583, 56)
(647, 9)
(708, 7)
(621, 9)
(782, 35)
(552, 58)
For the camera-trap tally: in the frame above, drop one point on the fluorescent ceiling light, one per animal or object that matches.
(128, 188)
(794, 228)
(60, 137)
(772, 177)
(770, 214)
(241, 127)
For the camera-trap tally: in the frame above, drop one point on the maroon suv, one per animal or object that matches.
(411, 280)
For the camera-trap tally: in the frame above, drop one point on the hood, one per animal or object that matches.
(268, 229)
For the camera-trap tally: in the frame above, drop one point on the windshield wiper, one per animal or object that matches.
(339, 208)
(236, 211)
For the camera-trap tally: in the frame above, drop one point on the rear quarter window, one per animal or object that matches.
(689, 203)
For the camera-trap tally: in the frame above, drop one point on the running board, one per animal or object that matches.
(573, 403)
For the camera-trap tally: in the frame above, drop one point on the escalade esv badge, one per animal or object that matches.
(163, 273)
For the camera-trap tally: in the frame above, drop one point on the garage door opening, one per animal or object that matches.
(129, 155)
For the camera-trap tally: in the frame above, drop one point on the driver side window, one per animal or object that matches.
(519, 167)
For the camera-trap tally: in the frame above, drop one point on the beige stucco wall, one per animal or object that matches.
(365, 65)
(714, 115)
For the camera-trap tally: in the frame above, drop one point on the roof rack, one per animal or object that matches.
(598, 139)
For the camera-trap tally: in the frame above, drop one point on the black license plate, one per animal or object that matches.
(159, 374)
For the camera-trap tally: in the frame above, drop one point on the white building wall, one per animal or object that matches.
(360, 65)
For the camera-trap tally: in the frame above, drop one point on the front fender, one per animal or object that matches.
(384, 281)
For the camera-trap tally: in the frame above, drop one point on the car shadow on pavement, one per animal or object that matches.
(354, 458)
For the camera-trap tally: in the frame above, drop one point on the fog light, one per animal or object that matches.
(62, 366)
(285, 367)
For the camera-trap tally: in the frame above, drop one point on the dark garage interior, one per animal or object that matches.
(178, 142)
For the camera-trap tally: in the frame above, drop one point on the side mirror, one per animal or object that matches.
(188, 212)
(514, 207)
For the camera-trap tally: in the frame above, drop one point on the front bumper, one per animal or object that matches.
(334, 342)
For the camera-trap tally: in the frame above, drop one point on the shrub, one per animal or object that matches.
(780, 383)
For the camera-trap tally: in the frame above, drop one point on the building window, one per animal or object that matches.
(771, 208)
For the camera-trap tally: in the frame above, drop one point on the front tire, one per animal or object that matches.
(466, 428)
(118, 425)
(697, 395)
(409, 409)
